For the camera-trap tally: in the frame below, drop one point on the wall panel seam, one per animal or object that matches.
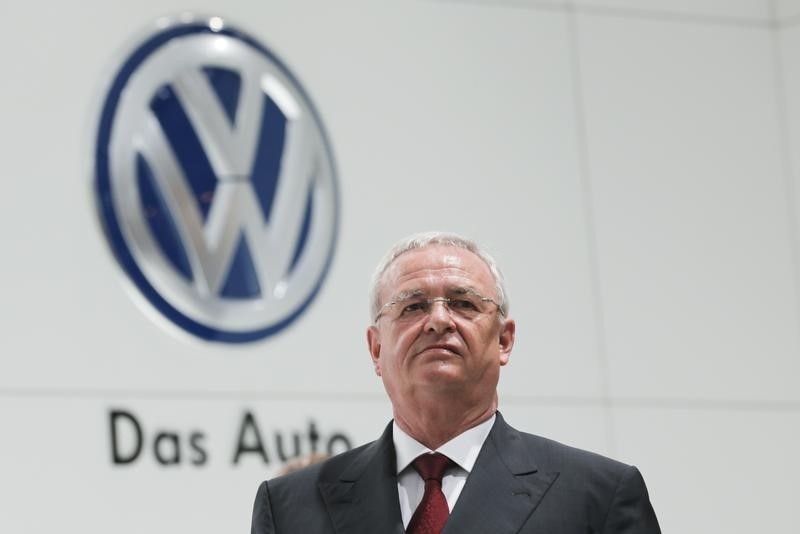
(787, 170)
(581, 130)
(629, 12)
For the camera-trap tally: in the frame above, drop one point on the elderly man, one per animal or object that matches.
(449, 462)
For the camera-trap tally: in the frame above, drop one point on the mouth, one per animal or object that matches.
(441, 349)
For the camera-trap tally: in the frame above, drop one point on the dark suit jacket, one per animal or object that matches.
(520, 484)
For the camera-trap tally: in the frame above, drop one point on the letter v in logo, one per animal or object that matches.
(215, 182)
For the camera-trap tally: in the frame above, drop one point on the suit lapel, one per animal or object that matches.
(503, 489)
(364, 498)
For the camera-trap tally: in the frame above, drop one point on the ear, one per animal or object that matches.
(374, 345)
(508, 332)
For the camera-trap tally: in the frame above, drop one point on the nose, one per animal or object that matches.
(439, 319)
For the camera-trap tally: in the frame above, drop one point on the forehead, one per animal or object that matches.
(438, 267)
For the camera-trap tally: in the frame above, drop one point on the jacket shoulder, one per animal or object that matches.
(553, 455)
(310, 476)
(577, 469)
(293, 502)
(592, 489)
(307, 478)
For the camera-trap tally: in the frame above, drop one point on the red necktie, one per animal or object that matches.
(432, 512)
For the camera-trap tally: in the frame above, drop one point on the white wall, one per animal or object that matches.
(633, 165)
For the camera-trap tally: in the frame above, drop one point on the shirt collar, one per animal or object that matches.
(462, 449)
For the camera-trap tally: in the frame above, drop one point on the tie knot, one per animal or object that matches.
(432, 466)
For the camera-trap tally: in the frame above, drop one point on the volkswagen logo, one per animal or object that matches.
(215, 182)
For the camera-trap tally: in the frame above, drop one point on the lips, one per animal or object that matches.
(442, 347)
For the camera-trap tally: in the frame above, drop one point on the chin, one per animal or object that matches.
(442, 373)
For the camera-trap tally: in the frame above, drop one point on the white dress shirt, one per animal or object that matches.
(462, 449)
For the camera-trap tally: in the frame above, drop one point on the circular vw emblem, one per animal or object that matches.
(215, 182)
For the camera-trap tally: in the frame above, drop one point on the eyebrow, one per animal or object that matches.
(407, 294)
(411, 293)
(463, 290)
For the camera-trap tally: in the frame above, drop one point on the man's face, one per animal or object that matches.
(439, 351)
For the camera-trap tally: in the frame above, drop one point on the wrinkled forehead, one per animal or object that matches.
(437, 269)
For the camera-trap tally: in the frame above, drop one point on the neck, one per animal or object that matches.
(435, 422)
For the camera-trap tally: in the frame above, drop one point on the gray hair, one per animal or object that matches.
(427, 239)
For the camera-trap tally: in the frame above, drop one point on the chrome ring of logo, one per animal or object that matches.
(215, 182)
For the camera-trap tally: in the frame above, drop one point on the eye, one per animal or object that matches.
(413, 307)
(463, 304)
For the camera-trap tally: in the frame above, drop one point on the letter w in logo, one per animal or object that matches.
(225, 165)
